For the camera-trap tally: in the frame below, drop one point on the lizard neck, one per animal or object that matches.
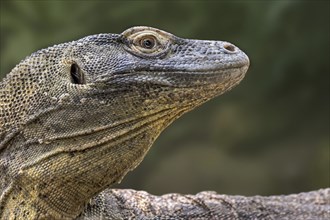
(47, 187)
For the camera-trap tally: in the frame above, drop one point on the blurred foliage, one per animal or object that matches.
(269, 135)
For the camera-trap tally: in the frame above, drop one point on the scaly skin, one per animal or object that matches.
(76, 117)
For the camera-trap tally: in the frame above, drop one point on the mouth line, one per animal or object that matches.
(192, 79)
(194, 72)
(208, 71)
(154, 75)
(207, 68)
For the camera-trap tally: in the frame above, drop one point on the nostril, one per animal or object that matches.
(229, 47)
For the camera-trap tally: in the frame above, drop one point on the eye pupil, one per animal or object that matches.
(148, 43)
(77, 77)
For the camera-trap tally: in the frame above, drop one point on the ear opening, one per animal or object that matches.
(77, 76)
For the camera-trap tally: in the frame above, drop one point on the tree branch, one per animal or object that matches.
(131, 204)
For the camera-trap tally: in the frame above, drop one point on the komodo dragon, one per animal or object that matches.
(76, 117)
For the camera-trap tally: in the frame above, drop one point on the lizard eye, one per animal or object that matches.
(148, 42)
(77, 76)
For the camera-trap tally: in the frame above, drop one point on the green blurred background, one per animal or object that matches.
(270, 135)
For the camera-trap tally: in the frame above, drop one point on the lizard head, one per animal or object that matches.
(172, 71)
(76, 117)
